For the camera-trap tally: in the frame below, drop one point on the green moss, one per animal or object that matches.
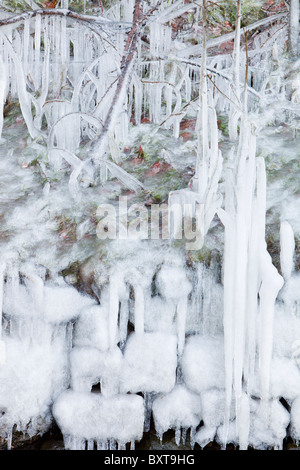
(222, 122)
(70, 270)
(288, 172)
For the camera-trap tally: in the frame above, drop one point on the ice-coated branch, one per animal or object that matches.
(99, 146)
(215, 42)
(94, 22)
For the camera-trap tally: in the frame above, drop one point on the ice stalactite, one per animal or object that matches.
(117, 292)
(37, 51)
(160, 39)
(203, 190)
(289, 293)
(234, 113)
(287, 249)
(248, 273)
(65, 4)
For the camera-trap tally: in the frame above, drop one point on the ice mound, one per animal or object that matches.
(90, 366)
(295, 419)
(285, 378)
(150, 362)
(205, 435)
(172, 282)
(213, 407)
(178, 409)
(54, 304)
(30, 380)
(63, 304)
(267, 426)
(286, 333)
(203, 363)
(90, 416)
(91, 328)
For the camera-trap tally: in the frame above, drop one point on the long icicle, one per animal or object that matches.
(2, 344)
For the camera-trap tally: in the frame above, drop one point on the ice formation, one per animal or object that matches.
(207, 348)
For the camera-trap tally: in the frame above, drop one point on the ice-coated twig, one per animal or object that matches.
(128, 180)
(215, 42)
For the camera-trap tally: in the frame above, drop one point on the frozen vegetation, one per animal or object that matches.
(125, 105)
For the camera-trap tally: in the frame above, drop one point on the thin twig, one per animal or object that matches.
(222, 93)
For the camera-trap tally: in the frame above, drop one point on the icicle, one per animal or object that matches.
(234, 112)
(124, 316)
(3, 86)
(112, 444)
(287, 249)
(26, 46)
(180, 323)
(37, 50)
(183, 435)
(90, 444)
(9, 439)
(192, 437)
(132, 445)
(102, 445)
(67, 441)
(117, 293)
(271, 284)
(148, 400)
(177, 436)
(2, 344)
(24, 96)
(139, 310)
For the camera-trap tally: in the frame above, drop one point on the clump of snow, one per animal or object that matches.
(150, 362)
(213, 407)
(90, 366)
(178, 409)
(91, 328)
(91, 416)
(203, 363)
